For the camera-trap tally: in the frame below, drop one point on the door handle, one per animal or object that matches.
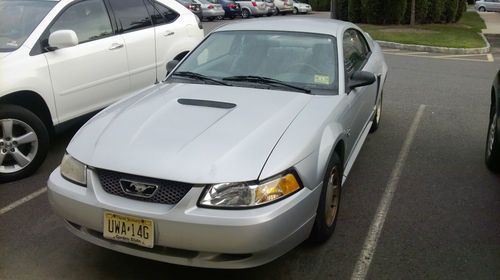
(115, 46)
(168, 33)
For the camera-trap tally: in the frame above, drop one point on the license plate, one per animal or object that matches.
(129, 229)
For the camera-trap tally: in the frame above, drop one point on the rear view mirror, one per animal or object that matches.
(61, 39)
(361, 79)
(171, 65)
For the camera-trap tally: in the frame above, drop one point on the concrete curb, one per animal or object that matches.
(421, 48)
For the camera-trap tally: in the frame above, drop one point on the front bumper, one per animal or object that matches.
(186, 234)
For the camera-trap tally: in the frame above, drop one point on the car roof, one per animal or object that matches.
(307, 25)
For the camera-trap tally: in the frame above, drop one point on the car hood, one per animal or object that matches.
(152, 134)
(4, 54)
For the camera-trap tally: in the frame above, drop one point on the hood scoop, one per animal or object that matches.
(206, 103)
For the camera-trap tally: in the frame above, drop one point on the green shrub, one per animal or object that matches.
(450, 10)
(343, 12)
(393, 11)
(462, 8)
(436, 11)
(354, 11)
(421, 11)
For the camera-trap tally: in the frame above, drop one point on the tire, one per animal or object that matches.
(32, 153)
(492, 153)
(211, 18)
(277, 12)
(245, 13)
(378, 114)
(326, 214)
(482, 9)
(295, 11)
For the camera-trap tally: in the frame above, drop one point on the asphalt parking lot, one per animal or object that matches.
(422, 174)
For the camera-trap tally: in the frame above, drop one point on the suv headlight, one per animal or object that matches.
(73, 170)
(250, 194)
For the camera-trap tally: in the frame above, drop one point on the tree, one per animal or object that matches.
(333, 9)
(412, 16)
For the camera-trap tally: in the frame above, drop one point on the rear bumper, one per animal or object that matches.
(186, 234)
(213, 13)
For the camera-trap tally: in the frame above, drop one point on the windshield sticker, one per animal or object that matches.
(321, 79)
(12, 44)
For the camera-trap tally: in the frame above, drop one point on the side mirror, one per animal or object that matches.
(171, 65)
(61, 39)
(361, 79)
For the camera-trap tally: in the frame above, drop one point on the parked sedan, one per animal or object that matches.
(231, 8)
(61, 60)
(193, 6)
(252, 8)
(301, 8)
(210, 10)
(283, 7)
(235, 158)
(493, 138)
(488, 5)
(271, 7)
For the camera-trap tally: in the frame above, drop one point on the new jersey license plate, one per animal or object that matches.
(129, 229)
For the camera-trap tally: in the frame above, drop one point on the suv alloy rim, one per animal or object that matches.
(18, 145)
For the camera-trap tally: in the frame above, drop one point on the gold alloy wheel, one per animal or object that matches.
(332, 197)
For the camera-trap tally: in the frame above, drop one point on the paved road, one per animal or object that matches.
(443, 223)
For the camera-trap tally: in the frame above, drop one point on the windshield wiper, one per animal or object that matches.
(198, 76)
(265, 80)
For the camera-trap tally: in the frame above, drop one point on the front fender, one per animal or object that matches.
(308, 142)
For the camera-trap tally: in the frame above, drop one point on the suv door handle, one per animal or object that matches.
(115, 46)
(168, 33)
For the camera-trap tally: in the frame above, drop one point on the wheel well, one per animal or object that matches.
(31, 101)
(340, 150)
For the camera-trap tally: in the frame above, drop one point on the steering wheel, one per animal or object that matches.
(300, 65)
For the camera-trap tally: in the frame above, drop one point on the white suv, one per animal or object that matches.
(60, 60)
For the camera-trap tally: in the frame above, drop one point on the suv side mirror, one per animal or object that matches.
(171, 65)
(361, 79)
(61, 39)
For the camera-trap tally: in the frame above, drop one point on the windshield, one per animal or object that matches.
(18, 19)
(300, 59)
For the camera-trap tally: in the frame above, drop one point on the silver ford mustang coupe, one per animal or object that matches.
(234, 159)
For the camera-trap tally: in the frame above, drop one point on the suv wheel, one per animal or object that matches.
(482, 9)
(295, 11)
(24, 142)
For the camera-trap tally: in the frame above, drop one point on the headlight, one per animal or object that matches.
(73, 170)
(241, 195)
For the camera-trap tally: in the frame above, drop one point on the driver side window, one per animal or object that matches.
(356, 51)
(89, 19)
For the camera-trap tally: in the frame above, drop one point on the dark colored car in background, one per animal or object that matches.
(231, 8)
(493, 138)
(193, 7)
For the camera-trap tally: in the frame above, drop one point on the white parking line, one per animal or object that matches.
(370, 245)
(22, 201)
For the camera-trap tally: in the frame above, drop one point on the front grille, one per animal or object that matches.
(169, 192)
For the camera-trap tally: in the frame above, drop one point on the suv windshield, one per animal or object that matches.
(306, 61)
(18, 19)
